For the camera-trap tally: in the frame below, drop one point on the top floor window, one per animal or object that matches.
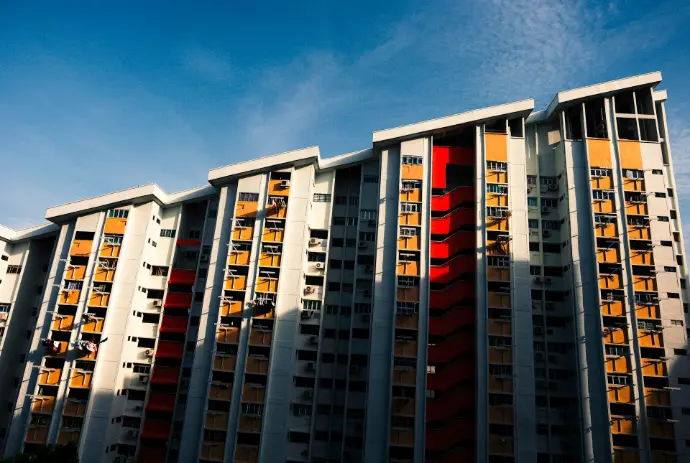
(412, 160)
(118, 213)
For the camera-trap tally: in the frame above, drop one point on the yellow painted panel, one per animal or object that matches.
(402, 407)
(615, 336)
(62, 322)
(498, 300)
(657, 397)
(212, 451)
(37, 434)
(238, 257)
(496, 177)
(80, 379)
(630, 154)
(408, 268)
(408, 242)
(499, 327)
(618, 365)
(500, 384)
(602, 183)
(644, 284)
(216, 420)
(410, 218)
(614, 308)
(266, 285)
(412, 172)
(649, 339)
(43, 404)
(115, 226)
(103, 274)
(630, 184)
(413, 196)
(75, 272)
(94, 326)
(622, 394)
(642, 257)
(49, 376)
(599, 153)
(220, 391)
(256, 364)
(500, 355)
(608, 255)
(647, 311)
(67, 435)
(69, 296)
(604, 205)
(260, 338)
(231, 308)
(659, 428)
(660, 456)
(275, 188)
(236, 282)
(608, 230)
(99, 300)
(497, 274)
(500, 415)
(493, 199)
(272, 213)
(623, 425)
(273, 235)
(74, 407)
(497, 224)
(250, 424)
(252, 394)
(269, 260)
(224, 362)
(246, 454)
(497, 248)
(635, 208)
(402, 437)
(496, 147)
(638, 233)
(80, 248)
(626, 455)
(228, 334)
(110, 250)
(610, 281)
(410, 321)
(405, 348)
(408, 294)
(245, 209)
(243, 233)
(653, 367)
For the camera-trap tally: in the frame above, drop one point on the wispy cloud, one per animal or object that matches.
(207, 64)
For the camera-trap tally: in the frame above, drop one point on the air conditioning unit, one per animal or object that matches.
(319, 265)
(148, 353)
(362, 244)
(156, 303)
(311, 366)
(144, 379)
(308, 289)
(314, 242)
(546, 232)
(545, 209)
(285, 183)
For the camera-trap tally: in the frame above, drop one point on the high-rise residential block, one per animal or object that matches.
(502, 285)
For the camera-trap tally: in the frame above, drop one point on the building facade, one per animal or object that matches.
(502, 285)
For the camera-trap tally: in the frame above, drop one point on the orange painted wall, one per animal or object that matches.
(496, 147)
(599, 153)
(630, 154)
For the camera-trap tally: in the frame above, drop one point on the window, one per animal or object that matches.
(338, 220)
(659, 195)
(361, 307)
(367, 214)
(495, 166)
(370, 178)
(498, 261)
(534, 246)
(551, 224)
(661, 218)
(159, 271)
(252, 409)
(353, 201)
(407, 282)
(351, 222)
(14, 269)
(244, 223)
(531, 180)
(167, 233)
(407, 208)
(367, 236)
(417, 160)
(336, 263)
(497, 212)
(497, 188)
(550, 183)
(253, 197)
(535, 270)
(409, 185)
(602, 195)
(599, 173)
(316, 257)
(670, 269)
(334, 286)
(633, 174)
(337, 242)
(308, 304)
(350, 242)
(676, 322)
(4, 308)
(141, 368)
(118, 213)
(403, 307)
(674, 214)
(549, 202)
(194, 234)
(673, 295)
(322, 198)
(532, 202)
(680, 352)
(604, 218)
(618, 379)
(533, 223)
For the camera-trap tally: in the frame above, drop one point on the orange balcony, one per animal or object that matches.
(501, 355)
(604, 205)
(653, 367)
(242, 233)
(402, 406)
(621, 394)
(402, 437)
(496, 177)
(80, 248)
(238, 258)
(228, 334)
(276, 188)
(273, 235)
(495, 223)
(269, 260)
(49, 377)
(253, 394)
(496, 146)
(412, 196)
(230, 308)
(657, 397)
(642, 257)
(212, 451)
(250, 423)
(236, 282)
(99, 300)
(115, 226)
(69, 296)
(412, 172)
(410, 218)
(408, 242)
(62, 322)
(497, 248)
(259, 337)
(494, 199)
(599, 153)
(410, 294)
(635, 208)
(643, 283)
(95, 325)
(246, 453)
(500, 384)
(216, 420)
(104, 274)
(266, 285)
(622, 425)
(404, 377)
(75, 272)
(62, 348)
(256, 364)
(245, 209)
(410, 268)
(80, 379)
(626, 455)
(647, 311)
(74, 407)
(606, 230)
(649, 339)
(404, 348)
(500, 414)
(613, 308)
(608, 255)
(660, 428)
(37, 433)
(615, 336)
(110, 250)
(630, 184)
(602, 183)
(610, 281)
(499, 300)
(43, 404)
(500, 445)
(499, 327)
(273, 213)
(497, 274)
(220, 391)
(67, 435)
(223, 362)
(638, 232)
(408, 321)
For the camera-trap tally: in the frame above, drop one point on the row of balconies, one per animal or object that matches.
(82, 248)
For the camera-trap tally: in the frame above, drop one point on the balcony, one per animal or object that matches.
(260, 337)
(43, 404)
(404, 377)
(610, 281)
(273, 235)
(606, 206)
(74, 408)
(644, 283)
(156, 429)
(606, 230)
(409, 242)
(626, 455)
(501, 414)
(612, 308)
(104, 274)
(621, 394)
(93, 325)
(498, 274)
(412, 172)
(224, 362)
(246, 209)
(165, 375)
(228, 334)
(654, 367)
(409, 268)
(109, 250)
(500, 355)
(253, 393)
(636, 208)
(69, 296)
(650, 338)
(499, 327)
(657, 397)
(411, 195)
(188, 243)
(640, 257)
(257, 364)
(405, 347)
(443, 407)
(660, 428)
(407, 321)
(402, 437)
(639, 232)
(273, 212)
(615, 336)
(238, 258)
(81, 379)
(178, 301)
(617, 364)
(161, 402)
(402, 406)
(80, 248)
(500, 384)
(407, 294)
(608, 255)
(250, 423)
(49, 377)
(67, 435)
(170, 350)
(212, 451)
(499, 299)
(75, 272)
(266, 284)
(410, 218)
(501, 445)
(647, 311)
(62, 322)
(99, 299)
(230, 308)
(37, 433)
(602, 183)
(171, 324)
(623, 425)
(180, 276)
(220, 391)
(269, 259)
(278, 187)
(495, 199)
(499, 247)
(242, 233)
(246, 453)
(115, 226)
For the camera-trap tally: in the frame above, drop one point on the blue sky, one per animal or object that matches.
(101, 96)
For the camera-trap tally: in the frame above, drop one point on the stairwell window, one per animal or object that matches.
(322, 198)
(410, 185)
(118, 213)
(168, 233)
(14, 269)
(414, 160)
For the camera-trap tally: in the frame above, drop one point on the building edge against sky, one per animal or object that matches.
(500, 285)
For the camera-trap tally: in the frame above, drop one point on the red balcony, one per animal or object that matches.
(449, 436)
(452, 199)
(453, 244)
(173, 324)
(460, 344)
(165, 375)
(451, 222)
(192, 243)
(156, 429)
(180, 276)
(457, 402)
(178, 301)
(449, 376)
(170, 350)
(457, 317)
(152, 455)
(452, 269)
(444, 155)
(452, 295)
(161, 402)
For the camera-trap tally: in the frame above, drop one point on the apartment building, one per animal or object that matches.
(502, 285)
